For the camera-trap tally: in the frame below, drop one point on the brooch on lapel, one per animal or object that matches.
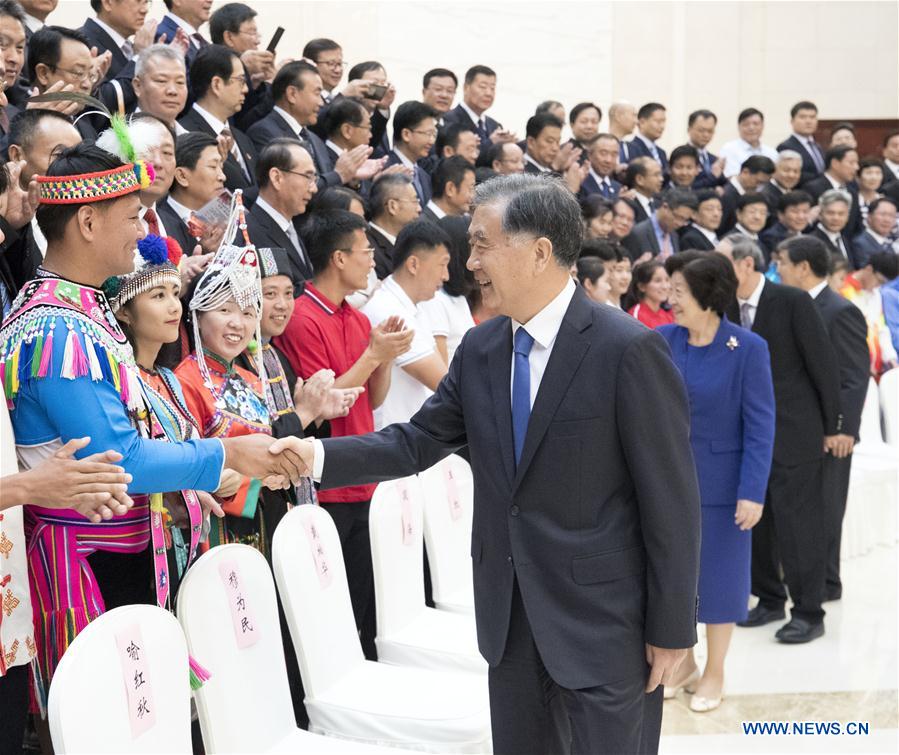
(732, 343)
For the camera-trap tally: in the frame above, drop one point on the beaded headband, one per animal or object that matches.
(156, 263)
(96, 187)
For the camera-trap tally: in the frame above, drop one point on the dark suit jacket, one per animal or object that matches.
(706, 179)
(459, 115)
(421, 180)
(383, 253)
(835, 250)
(771, 237)
(848, 332)
(168, 27)
(99, 38)
(257, 104)
(273, 126)
(691, 238)
(265, 232)
(809, 169)
(728, 209)
(175, 226)
(234, 175)
(642, 238)
(636, 148)
(590, 186)
(817, 186)
(772, 195)
(428, 214)
(586, 520)
(863, 246)
(804, 369)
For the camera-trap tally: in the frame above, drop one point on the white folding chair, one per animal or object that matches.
(889, 405)
(123, 686)
(245, 706)
(347, 696)
(410, 633)
(448, 499)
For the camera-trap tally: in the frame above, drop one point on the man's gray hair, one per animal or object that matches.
(832, 196)
(788, 154)
(156, 51)
(537, 206)
(742, 246)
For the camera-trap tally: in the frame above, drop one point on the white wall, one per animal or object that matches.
(721, 55)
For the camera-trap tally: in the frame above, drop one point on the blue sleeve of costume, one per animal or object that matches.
(82, 406)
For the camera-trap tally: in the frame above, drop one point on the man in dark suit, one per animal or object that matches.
(875, 237)
(581, 607)
(392, 205)
(805, 263)
(702, 233)
(603, 157)
(804, 120)
(478, 94)
(793, 210)
(651, 119)
(701, 126)
(657, 236)
(219, 85)
(791, 534)
(754, 172)
(414, 133)
(453, 189)
(787, 172)
(644, 175)
(188, 16)
(296, 91)
(834, 207)
(840, 171)
(286, 176)
(112, 31)
(347, 127)
(544, 135)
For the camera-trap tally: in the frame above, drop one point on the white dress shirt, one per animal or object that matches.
(645, 203)
(600, 180)
(737, 151)
(33, 23)
(532, 161)
(291, 121)
(836, 239)
(475, 118)
(745, 232)
(404, 161)
(737, 185)
(435, 209)
(162, 232)
(218, 126)
(119, 40)
(389, 236)
(815, 290)
(181, 211)
(285, 224)
(336, 148)
(542, 327)
(710, 235)
(753, 300)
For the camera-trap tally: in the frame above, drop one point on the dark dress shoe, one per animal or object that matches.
(833, 593)
(759, 616)
(798, 631)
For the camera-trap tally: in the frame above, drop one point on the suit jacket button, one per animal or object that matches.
(509, 559)
(514, 510)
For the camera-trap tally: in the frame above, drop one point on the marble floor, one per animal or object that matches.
(849, 675)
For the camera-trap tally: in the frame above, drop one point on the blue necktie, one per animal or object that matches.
(604, 188)
(704, 159)
(521, 390)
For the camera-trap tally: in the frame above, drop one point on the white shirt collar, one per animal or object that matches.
(336, 148)
(833, 182)
(403, 159)
(892, 166)
(600, 180)
(435, 209)
(832, 235)
(753, 300)
(389, 236)
(291, 121)
(645, 201)
(283, 223)
(532, 161)
(116, 37)
(737, 185)
(745, 232)
(475, 118)
(33, 23)
(648, 142)
(182, 211)
(544, 326)
(804, 140)
(217, 125)
(815, 290)
(710, 235)
(877, 237)
(390, 285)
(188, 29)
(777, 186)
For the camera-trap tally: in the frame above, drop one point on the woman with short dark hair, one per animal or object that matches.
(727, 372)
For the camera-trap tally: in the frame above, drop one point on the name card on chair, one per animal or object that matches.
(136, 676)
(452, 493)
(246, 630)
(402, 488)
(319, 555)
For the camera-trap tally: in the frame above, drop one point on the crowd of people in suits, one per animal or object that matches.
(771, 273)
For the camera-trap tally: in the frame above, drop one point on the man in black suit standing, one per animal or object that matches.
(219, 84)
(544, 136)
(840, 171)
(478, 93)
(347, 126)
(392, 205)
(644, 175)
(701, 126)
(414, 135)
(583, 605)
(834, 207)
(112, 31)
(651, 120)
(297, 93)
(286, 176)
(791, 534)
(804, 120)
(657, 235)
(702, 233)
(805, 263)
(787, 172)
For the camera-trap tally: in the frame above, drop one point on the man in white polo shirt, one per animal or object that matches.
(421, 257)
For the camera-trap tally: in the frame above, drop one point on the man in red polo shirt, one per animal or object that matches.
(325, 332)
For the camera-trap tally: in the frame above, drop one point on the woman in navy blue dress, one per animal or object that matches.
(727, 372)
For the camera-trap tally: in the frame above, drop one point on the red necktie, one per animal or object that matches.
(152, 221)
